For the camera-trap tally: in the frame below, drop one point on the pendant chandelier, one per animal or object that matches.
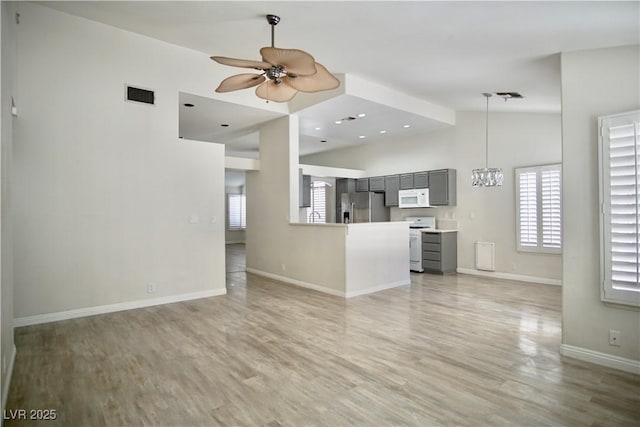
(487, 177)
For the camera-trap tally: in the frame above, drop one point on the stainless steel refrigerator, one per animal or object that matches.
(363, 207)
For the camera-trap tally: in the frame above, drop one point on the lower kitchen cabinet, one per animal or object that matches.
(440, 252)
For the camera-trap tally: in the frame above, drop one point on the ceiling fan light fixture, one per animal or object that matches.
(293, 68)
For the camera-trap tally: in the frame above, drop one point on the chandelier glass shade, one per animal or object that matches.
(487, 177)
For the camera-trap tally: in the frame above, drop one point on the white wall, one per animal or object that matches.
(594, 83)
(515, 139)
(312, 255)
(7, 74)
(103, 189)
(377, 257)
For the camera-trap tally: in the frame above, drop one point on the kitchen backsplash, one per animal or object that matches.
(445, 216)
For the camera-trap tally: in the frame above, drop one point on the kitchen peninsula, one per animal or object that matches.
(369, 257)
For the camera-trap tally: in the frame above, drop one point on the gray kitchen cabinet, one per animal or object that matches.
(440, 252)
(421, 180)
(343, 185)
(391, 187)
(406, 181)
(376, 184)
(304, 199)
(362, 184)
(442, 187)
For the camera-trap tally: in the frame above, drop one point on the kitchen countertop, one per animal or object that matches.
(436, 230)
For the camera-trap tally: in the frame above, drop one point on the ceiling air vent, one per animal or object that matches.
(509, 95)
(140, 95)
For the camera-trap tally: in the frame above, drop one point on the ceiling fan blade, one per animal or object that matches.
(240, 81)
(244, 63)
(277, 92)
(294, 60)
(322, 80)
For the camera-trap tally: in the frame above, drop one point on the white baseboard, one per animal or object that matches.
(110, 308)
(324, 289)
(604, 359)
(296, 282)
(7, 383)
(509, 276)
(377, 288)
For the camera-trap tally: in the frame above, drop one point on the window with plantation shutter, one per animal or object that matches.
(236, 204)
(317, 212)
(619, 155)
(539, 209)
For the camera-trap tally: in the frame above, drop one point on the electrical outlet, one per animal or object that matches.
(151, 288)
(284, 267)
(614, 337)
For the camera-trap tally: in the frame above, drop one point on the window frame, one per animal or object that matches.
(608, 293)
(311, 209)
(243, 212)
(539, 248)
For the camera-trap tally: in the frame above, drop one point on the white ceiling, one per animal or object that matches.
(446, 53)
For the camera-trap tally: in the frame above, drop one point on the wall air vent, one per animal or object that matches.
(140, 95)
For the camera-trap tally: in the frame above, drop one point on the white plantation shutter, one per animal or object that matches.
(620, 207)
(551, 212)
(528, 209)
(236, 204)
(539, 212)
(317, 212)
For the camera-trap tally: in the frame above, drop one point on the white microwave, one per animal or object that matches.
(416, 198)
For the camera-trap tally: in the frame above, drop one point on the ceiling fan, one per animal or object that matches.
(285, 72)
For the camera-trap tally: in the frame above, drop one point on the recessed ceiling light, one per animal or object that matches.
(362, 137)
(383, 131)
(338, 122)
(189, 105)
(225, 125)
(362, 115)
(406, 126)
(318, 128)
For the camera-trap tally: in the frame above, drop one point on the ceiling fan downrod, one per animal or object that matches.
(273, 21)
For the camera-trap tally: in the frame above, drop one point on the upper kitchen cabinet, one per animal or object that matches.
(420, 180)
(304, 200)
(442, 187)
(406, 181)
(377, 184)
(362, 184)
(345, 185)
(391, 186)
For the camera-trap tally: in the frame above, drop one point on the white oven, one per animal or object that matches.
(416, 198)
(415, 239)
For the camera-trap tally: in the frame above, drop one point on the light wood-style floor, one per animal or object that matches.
(453, 350)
